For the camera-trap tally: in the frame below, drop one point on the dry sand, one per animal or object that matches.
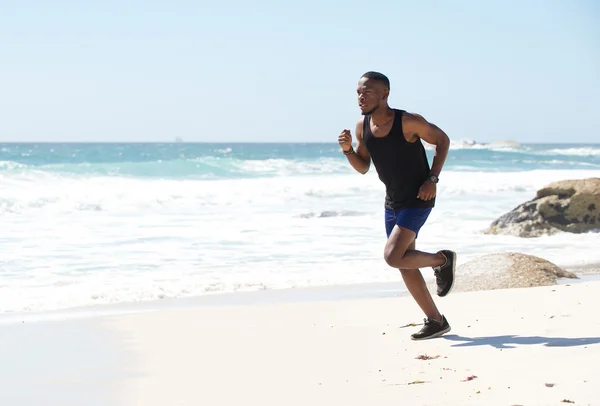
(529, 346)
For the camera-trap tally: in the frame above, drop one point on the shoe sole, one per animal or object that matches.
(453, 273)
(439, 333)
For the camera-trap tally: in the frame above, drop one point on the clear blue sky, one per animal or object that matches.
(261, 71)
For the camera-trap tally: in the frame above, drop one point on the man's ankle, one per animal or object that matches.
(438, 318)
(442, 257)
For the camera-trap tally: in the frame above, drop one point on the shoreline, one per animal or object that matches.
(359, 291)
(323, 293)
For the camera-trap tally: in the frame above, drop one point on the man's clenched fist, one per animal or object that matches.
(345, 140)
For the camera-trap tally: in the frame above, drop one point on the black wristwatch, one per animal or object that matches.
(433, 179)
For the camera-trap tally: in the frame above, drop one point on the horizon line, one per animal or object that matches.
(283, 142)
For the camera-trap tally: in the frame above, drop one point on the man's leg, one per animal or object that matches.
(413, 279)
(398, 254)
(435, 324)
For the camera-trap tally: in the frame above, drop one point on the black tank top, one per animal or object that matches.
(402, 166)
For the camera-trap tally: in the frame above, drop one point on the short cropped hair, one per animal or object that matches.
(378, 76)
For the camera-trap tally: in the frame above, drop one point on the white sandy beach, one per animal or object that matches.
(345, 352)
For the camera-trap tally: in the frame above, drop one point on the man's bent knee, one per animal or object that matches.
(399, 242)
(393, 257)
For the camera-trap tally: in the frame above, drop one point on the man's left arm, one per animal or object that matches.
(416, 126)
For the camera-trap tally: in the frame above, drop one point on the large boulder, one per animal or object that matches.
(569, 206)
(506, 271)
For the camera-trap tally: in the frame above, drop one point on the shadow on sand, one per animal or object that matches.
(510, 341)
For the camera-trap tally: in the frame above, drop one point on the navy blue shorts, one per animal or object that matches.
(411, 218)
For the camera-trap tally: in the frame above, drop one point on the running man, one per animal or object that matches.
(392, 139)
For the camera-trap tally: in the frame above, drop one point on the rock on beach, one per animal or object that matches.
(565, 206)
(506, 270)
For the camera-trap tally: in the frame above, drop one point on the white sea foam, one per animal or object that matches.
(512, 146)
(506, 146)
(80, 240)
(586, 151)
(10, 165)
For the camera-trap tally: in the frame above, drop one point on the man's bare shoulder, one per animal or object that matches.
(415, 125)
(413, 118)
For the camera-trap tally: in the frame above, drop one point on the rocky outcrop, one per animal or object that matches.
(506, 271)
(568, 206)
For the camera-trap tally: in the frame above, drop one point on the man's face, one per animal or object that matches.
(370, 95)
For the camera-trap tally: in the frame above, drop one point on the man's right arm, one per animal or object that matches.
(360, 159)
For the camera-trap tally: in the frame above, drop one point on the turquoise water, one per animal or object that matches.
(220, 161)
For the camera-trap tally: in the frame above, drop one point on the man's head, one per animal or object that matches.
(373, 91)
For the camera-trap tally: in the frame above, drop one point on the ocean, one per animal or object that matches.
(98, 223)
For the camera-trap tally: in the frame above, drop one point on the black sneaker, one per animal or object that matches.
(432, 329)
(444, 274)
